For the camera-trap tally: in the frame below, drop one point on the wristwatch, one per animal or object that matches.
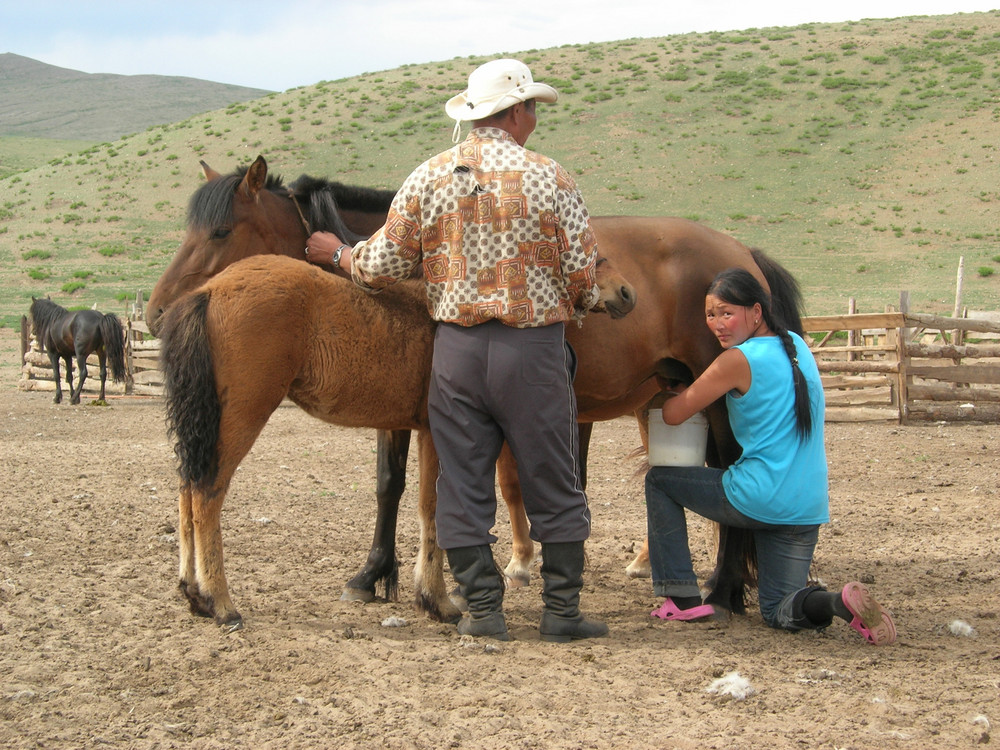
(335, 260)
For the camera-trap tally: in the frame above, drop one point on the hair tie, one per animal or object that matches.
(795, 361)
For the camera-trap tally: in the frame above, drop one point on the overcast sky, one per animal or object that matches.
(281, 44)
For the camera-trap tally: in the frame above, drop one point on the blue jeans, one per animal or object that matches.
(784, 553)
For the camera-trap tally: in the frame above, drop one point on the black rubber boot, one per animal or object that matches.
(562, 579)
(481, 583)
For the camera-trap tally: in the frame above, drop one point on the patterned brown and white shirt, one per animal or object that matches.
(501, 232)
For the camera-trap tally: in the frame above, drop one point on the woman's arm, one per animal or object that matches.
(729, 371)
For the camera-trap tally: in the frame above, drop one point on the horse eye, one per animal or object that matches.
(221, 233)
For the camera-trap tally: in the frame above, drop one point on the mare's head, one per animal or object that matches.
(230, 217)
(249, 212)
(617, 295)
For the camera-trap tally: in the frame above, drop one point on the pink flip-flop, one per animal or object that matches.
(669, 611)
(871, 620)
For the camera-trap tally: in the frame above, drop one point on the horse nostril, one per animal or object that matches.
(625, 294)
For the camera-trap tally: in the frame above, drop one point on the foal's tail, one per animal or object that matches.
(193, 409)
(786, 295)
(113, 336)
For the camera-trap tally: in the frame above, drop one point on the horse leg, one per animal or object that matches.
(81, 364)
(428, 573)
(54, 361)
(382, 564)
(69, 376)
(523, 554)
(185, 544)
(210, 594)
(518, 570)
(201, 510)
(246, 408)
(640, 567)
(102, 357)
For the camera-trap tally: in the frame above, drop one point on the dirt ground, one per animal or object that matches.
(97, 647)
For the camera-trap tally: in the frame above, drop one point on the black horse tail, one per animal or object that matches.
(113, 336)
(193, 408)
(735, 569)
(786, 295)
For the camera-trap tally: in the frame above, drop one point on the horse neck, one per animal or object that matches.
(44, 316)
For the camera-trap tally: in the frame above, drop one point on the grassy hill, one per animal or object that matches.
(863, 156)
(45, 107)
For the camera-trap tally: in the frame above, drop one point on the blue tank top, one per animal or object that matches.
(779, 478)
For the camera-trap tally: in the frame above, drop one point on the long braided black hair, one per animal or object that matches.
(737, 286)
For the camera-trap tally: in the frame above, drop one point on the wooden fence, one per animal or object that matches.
(907, 366)
(892, 366)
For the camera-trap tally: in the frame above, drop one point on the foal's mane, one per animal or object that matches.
(44, 312)
(321, 200)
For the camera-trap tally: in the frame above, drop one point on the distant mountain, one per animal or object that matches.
(45, 101)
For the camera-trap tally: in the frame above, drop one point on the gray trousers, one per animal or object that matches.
(491, 383)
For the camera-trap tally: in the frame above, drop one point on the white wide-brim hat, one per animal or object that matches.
(493, 87)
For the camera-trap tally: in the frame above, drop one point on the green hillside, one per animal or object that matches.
(863, 156)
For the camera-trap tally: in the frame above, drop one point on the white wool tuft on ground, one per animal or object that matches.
(961, 628)
(733, 685)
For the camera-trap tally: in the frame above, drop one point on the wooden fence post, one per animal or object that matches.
(902, 375)
(957, 337)
(852, 335)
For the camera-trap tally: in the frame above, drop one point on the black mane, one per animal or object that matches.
(325, 199)
(44, 313)
(211, 206)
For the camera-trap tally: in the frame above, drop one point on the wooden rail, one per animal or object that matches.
(895, 369)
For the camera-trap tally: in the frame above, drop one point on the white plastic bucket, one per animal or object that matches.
(677, 445)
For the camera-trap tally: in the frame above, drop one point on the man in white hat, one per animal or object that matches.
(504, 241)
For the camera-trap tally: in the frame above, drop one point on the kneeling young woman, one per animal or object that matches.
(777, 488)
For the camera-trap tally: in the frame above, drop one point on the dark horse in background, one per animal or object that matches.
(622, 363)
(76, 335)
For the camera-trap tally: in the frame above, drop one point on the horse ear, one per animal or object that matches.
(255, 178)
(210, 174)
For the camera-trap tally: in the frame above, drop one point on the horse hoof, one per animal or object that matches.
(518, 580)
(442, 611)
(357, 595)
(637, 571)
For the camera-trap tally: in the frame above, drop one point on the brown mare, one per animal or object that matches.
(320, 340)
(671, 259)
